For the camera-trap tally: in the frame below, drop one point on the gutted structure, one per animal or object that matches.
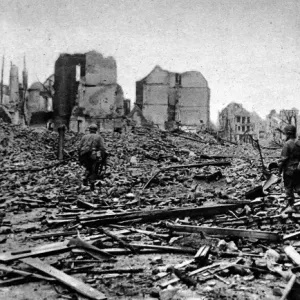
(66, 86)
(13, 96)
(235, 123)
(166, 97)
(39, 111)
(86, 91)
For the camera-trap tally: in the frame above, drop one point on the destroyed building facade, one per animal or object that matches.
(86, 91)
(235, 123)
(29, 106)
(39, 108)
(166, 97)
(13, 96)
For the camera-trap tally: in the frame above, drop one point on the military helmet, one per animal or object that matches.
(289, 129)
(93, 127)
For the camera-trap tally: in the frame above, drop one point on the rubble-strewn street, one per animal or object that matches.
(169, 220)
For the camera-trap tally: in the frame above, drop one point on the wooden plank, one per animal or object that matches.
(291, 236)
(52, 234)
(119, 240)
(253, 234)
(120, 251)
(70, 281)
(16, 280)
(165, 248)
(154, 215)
(202, 252)
(292, 253)
(24, 273)
(41, 250)
(288, 287)
(79, 243)
(38, 250)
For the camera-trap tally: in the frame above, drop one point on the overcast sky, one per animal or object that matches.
(248, 50)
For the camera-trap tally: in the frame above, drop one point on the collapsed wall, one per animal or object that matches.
(167, 97)
(92, 95)
(66, 86)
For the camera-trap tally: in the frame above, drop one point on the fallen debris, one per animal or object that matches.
(138, 246)
(288, 287)
(216, 163)
(252, 234)
(71, 282)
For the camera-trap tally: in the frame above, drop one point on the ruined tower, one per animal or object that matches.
(14, 85)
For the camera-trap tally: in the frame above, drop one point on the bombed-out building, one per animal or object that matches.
(235, 123)
(86, 91)
(13, 96)
(39, 108)
(166, 97)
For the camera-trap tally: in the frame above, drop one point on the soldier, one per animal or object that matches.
(289, 164)
(88, 149)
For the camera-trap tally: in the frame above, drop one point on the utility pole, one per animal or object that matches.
(2, 74)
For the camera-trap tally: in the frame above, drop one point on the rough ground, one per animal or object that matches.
(34, 193)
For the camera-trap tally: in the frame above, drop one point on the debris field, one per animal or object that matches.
(175, 216)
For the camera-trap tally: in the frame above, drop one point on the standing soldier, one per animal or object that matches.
(289, 164)
(88, 149)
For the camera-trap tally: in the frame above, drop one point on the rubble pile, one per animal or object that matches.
(175, 216)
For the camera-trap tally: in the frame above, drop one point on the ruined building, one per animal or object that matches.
(235, 123)
(86, 91)
(38, 109)
(165, 97)
(13, 97)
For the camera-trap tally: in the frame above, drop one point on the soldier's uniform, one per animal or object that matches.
(289, 163)
(89, 145)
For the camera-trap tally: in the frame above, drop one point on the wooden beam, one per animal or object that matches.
(39, 250)
(150, 216)
(165, 248)
(79, 243)
(253, 234)
(24, 273)
(293, 254)
(69, 281)
(16, 280)
(291, 236)
(120, 241)
(288, 287)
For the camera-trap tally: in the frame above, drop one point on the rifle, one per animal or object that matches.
(256, 145)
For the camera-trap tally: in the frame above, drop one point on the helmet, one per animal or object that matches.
(289, 129)
(93, 127)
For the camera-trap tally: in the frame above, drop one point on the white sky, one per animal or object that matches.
(248, 50)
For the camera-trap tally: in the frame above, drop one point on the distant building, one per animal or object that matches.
(39, 110)
(235, 123)
(5, 95)
(259, 126)
(12, 98)
(165, 97)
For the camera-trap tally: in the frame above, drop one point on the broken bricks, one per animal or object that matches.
(54, 193)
